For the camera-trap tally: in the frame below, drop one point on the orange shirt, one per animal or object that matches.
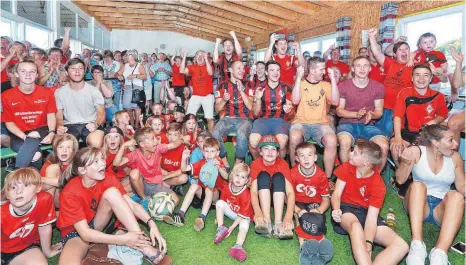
(314, 104)
(202, 81)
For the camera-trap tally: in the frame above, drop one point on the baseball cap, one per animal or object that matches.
(306, 54)
(179, 109)
(311, 226)
(113, 129)
(269, 140)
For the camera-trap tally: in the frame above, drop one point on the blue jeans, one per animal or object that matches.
(227, 125)
(117, 97)
(360, 130)
(27, 148)
(385, 124)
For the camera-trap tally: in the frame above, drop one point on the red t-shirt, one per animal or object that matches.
(163, 139)
(287, 68)
(419, 114)
(119, 172)
(43, 170)
(235, 107)
(309, 189)
(362, 192)
(192, 139)
(223, 66)
(64, 59)
(437, 58)
(28, 112)
(343, 67)
(177, 77)
(377, 73)
(19, 232)
(171, 160)
(273, 100)
(240, 202)
(202, 81)
(4, 74)
(149, 167)
(196, 170)
(280, 165)
(79, 203)
(398, 77)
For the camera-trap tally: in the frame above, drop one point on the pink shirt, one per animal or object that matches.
(149, 167)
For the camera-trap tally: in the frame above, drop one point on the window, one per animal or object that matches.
(83, 29)
(106, 43)
(75, 47)
(435, 22)
(5, 27)
(35, 11)
(321, 43)
(260, 55)
(98, 37)
(67, 19)
(6, 5)
(38, 36)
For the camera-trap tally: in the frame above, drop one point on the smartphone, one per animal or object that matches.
(459, 247)
(280, 36)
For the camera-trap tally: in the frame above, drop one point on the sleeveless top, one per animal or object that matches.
(53, 79)
(437, 184)
(127, 71)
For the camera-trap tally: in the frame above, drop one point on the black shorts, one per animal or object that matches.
(8, 257)
(359, 212)
(307, 206)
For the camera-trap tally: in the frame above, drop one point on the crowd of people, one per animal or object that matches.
(125, 126)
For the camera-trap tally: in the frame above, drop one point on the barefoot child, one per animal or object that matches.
(311, 188)
(27, 220)
(356, 201)
(235, 202)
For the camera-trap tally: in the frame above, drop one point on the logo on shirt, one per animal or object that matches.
(234, 207)
(22, 232)
(39, 101)
(310, 191)
(362, 190)
(14, 103)
(94, 205)
(429, 108)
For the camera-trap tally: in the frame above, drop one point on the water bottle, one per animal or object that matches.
(391, 219)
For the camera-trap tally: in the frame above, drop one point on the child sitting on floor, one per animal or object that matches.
(122, 121)
(171, 160)
(156, 123)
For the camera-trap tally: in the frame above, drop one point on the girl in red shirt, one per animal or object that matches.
(89, 198)
(190, 130)
(157, 126)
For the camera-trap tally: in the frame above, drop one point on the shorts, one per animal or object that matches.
(272, 126)
(8, 257)
(74, 233)
(313, 131)
(3, 129)
(79, 131)
(385, 124)
(359, 212)
(432, 202)
(152, 188)
(207, 103)
(307, 206)
(360, 130)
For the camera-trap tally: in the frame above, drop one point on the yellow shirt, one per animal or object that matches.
(314, 104)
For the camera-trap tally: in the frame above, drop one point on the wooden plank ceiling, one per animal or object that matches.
(202, 19)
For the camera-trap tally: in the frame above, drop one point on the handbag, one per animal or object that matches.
(138, 96)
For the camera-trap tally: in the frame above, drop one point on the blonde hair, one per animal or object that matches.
(105, 147)
(83, 158)
(27, 176)
(238, 168)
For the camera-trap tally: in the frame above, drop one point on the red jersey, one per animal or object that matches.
(377, 73)
(398, 77)
(257, 83)
(79, 203)
(415, 109)
(28, 111)
(64, 59)
(287, 68)
(19, 232)
(362, 192)
(4, 74)
(235, 107)
(437, 58)
(223, 63)
(240, 202)
(171, 160)
(196, 171)
(309, 189)
(202, 81)
(177, 77)
(162, 137)
(43, 170)
(343, 67)
(273, 100)
(280, 166)
(119, 172)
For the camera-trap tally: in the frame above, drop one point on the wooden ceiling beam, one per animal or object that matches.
(326, 4)
(136, 18)
(301, 7)
(198, 28)
(269, 8)
(91, 13)
(114, 4)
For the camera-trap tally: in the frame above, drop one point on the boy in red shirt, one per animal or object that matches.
(156, 123)
(146, 174)
(214, 165)
(171, 160)
(270, 176)
(356, 201)
(27, 220)
(122, 121)
(335, 62)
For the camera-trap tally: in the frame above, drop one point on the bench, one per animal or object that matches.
(6, 152)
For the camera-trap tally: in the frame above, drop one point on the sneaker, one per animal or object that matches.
(174, 219)
(222, 233)
(145, 204)
(264, 229)
(417, 253)
(10, 165)
(325, 250)
(281, 233)
(199, 224)
(178, 189)
(308, 253)
(196, 203)
(238, 253)
(438, 257)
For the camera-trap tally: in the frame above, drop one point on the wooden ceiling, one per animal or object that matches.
(203, 19)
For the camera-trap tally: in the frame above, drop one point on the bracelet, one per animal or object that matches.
(150, 219)
(370, 242)
(52, 131)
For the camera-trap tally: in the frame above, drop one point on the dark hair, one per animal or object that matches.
(431, 132)
(271, 63)
(397, 45)
(108, 53)
(260, 62)
(42, 52)
(230, 40)
(424, 36)
(359, 51)
(115, 52)
(97, 67)
(72, 62)
(313, 61)
(421, 66)
(98, 55)
(175, 127)
(58, 42)
(54, 49)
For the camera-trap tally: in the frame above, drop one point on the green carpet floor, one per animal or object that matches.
(186, 246)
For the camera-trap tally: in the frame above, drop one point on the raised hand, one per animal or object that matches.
(372, 33)
(273, 38)
(457, 56)
(218, 41)
(300, 72)
(259, 92)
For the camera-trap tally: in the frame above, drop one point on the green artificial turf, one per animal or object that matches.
(186, 246)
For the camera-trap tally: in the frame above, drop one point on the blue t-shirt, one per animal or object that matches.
(196, 156)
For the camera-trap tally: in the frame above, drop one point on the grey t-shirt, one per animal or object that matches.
(79, 106)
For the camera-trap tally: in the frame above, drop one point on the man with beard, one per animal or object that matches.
(398, 77)
(361, 103)
(80, 107)
(29, 115)
(223, 60)
(235, 98)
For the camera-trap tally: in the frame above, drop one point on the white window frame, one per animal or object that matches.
(319, 39)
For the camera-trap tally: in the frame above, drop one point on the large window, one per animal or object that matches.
(321, 43)
(5, 5)
(5, 27)
(37, 36)
(260, 55)
(36, 11)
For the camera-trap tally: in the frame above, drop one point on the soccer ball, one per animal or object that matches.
(160, 204)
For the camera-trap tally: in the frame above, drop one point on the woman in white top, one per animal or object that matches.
(435, 166)
(134, 75)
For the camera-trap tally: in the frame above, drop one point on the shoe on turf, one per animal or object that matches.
(145, 204)
(263, 229)
(238, 253)
(308, 253)
(417, 253)
(222, 233)
(196, 203)
(178, 189)
(438, 257)
(325, 250)
(174, 219)
(281, 233)
(199, 224)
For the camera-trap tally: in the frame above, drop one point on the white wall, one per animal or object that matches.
(148, 41)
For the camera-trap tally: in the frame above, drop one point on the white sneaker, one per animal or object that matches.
(438, 257)
(417, 253)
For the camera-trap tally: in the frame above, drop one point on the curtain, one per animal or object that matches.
(387, 23)
(344, 38)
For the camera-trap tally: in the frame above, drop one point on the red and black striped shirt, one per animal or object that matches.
(235, 107)
(257, 83)
(223, 65)
(273, 100)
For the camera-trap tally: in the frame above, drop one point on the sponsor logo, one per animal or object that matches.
(39, 101)
(14, 103)
(310, 191)
(22, 232)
